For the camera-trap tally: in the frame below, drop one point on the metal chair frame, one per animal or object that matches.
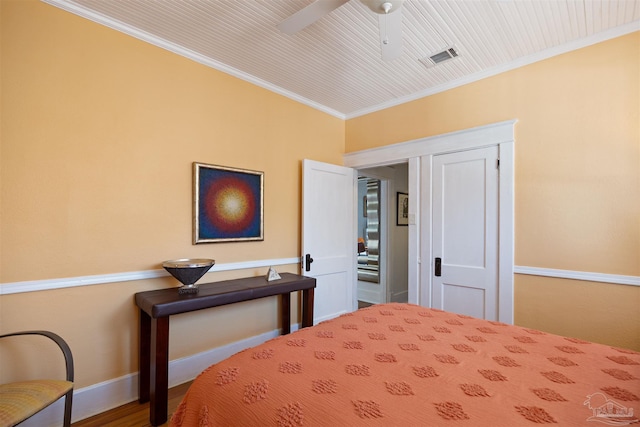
(68, 357)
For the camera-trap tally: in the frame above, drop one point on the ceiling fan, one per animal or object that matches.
(389, 19)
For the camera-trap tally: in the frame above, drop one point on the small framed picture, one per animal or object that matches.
(228, 204)
(402, 209)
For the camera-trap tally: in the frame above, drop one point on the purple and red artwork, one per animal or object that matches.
(228, 204)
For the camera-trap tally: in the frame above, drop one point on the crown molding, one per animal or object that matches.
(512, 65)
(179, 50)
(187, 53)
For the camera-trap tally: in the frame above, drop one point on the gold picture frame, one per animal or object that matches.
(228, 204)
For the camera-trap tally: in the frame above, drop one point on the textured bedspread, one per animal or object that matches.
(405, 365)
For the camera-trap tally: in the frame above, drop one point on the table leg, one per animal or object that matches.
(307, 307)
(144, 353)
(285, 313)
(159, 370)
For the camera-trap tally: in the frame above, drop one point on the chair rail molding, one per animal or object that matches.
(72, 282)
(578, 275)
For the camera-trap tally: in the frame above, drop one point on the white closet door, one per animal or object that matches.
(465, 232)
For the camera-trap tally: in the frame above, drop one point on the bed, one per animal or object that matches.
(406, 365)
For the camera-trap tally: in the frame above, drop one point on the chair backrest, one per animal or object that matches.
(21, 400)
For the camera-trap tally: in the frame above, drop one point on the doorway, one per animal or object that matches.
(420, 155)
(382, 269)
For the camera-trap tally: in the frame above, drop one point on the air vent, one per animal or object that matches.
(440, 57)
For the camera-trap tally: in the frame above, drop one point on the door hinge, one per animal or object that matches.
(498, 164)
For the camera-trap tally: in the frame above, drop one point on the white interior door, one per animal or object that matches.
(465, 232)
(329, 236)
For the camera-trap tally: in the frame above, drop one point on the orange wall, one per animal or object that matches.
(99, 132)
(577, 177)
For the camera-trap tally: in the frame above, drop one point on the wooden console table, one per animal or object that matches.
(157, 306)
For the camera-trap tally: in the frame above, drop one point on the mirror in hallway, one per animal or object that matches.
(369, 229)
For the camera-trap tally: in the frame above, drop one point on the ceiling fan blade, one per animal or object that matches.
(391, 34)
(309, 15)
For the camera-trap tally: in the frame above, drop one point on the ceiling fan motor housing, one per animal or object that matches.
(383, 6)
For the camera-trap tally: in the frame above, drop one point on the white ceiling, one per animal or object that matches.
(334, 64)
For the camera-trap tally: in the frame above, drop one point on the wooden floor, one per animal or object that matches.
(362, 304)
(133, 414)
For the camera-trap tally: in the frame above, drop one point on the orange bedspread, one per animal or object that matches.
(405, 365)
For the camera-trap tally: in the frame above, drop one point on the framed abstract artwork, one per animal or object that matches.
(402, 208)
(228, 204)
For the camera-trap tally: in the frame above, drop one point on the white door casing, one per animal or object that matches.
(464, 233)
(419, 153)
(329, 236)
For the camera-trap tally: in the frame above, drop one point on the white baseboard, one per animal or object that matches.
(402, 296)
(101, 397)
(317, 320)
(369, 292)
(368, 295)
